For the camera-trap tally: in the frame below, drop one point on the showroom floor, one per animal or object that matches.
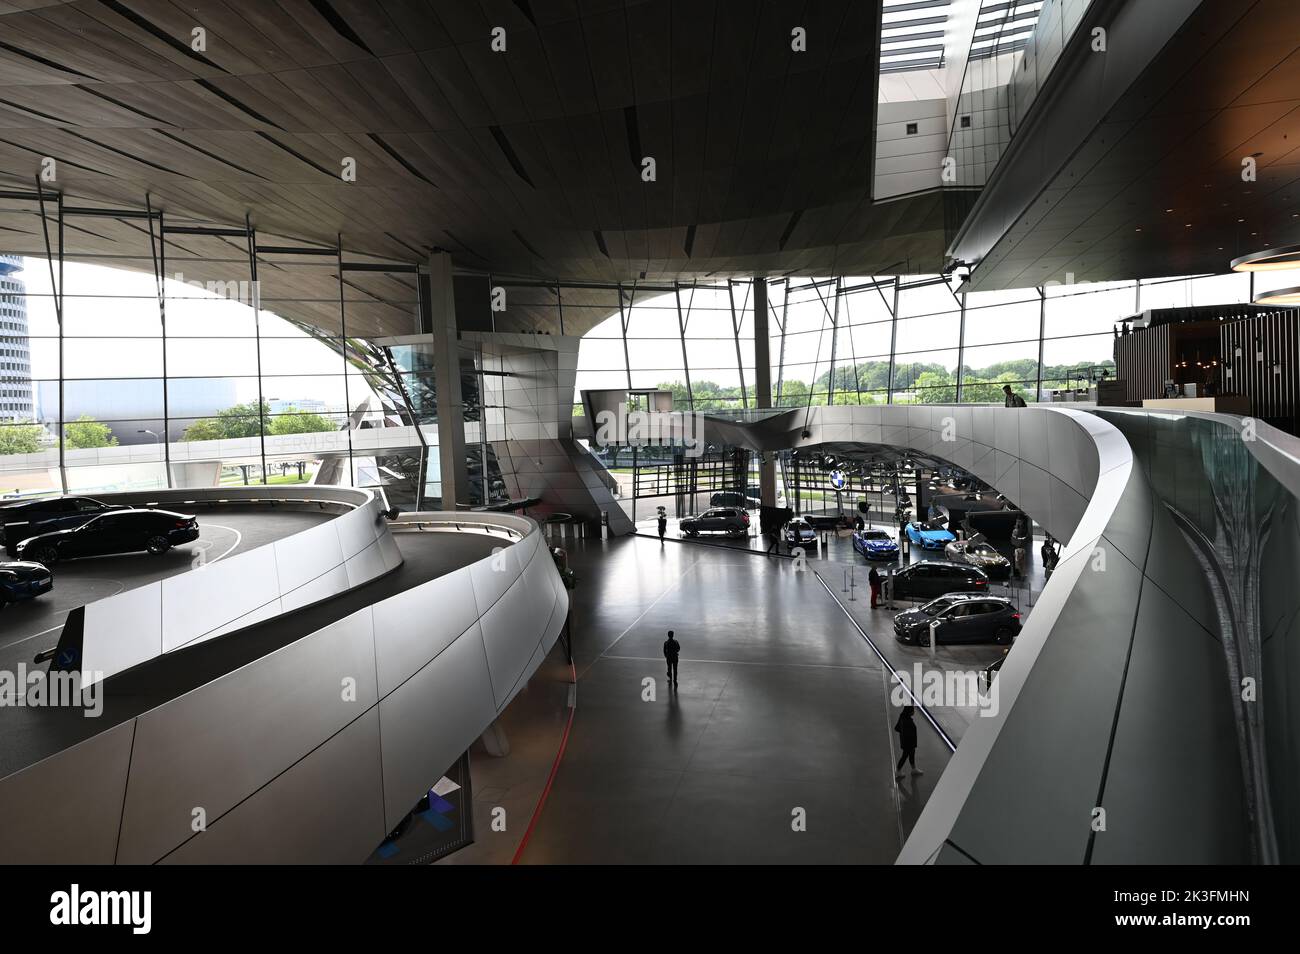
(783, 713)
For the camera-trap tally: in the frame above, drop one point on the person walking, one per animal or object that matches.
(1012, 399)
(1020, 541)
(906, 730)
(663, 525)
(874, 579)
(673, 649)
(773, 541)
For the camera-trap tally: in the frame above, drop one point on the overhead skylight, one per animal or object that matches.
(1004, 26)
(911, 35)
(912, 31)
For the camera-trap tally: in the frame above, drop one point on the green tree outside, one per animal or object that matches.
(243, 420)
(20, 438)
(85, 433)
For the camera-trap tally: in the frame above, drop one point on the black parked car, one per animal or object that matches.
(22, 581)
(931, 578)
(21, 521)
(962, 618)
(121, 531)
(728, 520)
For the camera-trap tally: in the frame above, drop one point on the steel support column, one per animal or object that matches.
(893, 342)
(681, 333)
(56, 285)
(250, 236)
(450, 403)
(158, 251)
(763, 389)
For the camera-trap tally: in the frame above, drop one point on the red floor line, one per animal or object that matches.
(550, 779)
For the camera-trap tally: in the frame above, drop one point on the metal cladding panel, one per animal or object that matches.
(491, 578)
(196, 603)
(1033, 444)
(1174, 767)
(331, 583)
(412, 628)
(326, 809)
(309, 555)
(213, 747)
(358, 529)
(504, 627)
(366, 565)
(430, 719)
(269, 611)
(43, 826)
(1073, 455)
(1058, 723)
(122, 631)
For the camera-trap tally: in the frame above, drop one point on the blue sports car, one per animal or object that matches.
(875, 544)
(927, 537)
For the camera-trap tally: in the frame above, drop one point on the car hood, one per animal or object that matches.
(51, 536)
(880, 544)
(22, 567)
(987, 559)
(912, 618)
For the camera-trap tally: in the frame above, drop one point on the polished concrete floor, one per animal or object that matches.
(783, 714)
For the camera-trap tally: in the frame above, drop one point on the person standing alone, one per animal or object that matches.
(663, 525)
(1011, 399)
(874, 579)
(673, 649)
(906, 730)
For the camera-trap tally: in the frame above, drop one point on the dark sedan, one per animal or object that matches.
(21, 521)
(962, 618)
(23, 580)
(931, 578)
(121, 531)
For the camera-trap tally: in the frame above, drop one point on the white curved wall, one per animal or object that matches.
(1116, 695)
(287, 765)
(129, 628)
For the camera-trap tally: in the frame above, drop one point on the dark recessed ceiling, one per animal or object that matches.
(525, 162)
(1156, 188)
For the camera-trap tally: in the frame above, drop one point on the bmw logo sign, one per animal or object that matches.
(837, 479)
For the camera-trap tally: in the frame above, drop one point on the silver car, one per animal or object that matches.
(978, 553)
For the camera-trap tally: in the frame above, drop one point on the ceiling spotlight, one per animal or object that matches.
(1279, 296)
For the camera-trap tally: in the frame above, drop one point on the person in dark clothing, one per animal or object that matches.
(858, 523)
(672, 649)
(663, 526)
(1012, 399)
(906, 730)
(874, 579)
(773, 541)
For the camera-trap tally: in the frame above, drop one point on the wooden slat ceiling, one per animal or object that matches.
(524, 163)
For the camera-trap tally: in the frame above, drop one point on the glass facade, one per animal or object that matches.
(915, 340)
(108, 396)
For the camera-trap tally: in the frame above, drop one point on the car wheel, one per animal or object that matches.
(46, 555)
(157, 545)
(1003, 636)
